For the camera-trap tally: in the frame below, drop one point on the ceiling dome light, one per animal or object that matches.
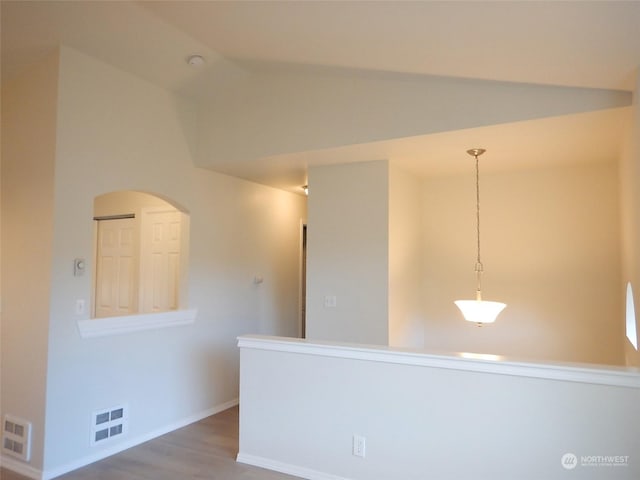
(195, 61)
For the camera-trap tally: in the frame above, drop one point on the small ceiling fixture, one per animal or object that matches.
(195, 60)
(478, 310)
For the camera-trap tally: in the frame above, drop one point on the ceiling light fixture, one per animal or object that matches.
(479, 311)
(195, 60)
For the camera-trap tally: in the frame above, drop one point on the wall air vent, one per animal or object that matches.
(109, 423)
(16, 437)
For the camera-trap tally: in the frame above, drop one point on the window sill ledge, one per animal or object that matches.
(101, 327)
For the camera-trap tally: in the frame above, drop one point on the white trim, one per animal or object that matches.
(19, 467)
(56, 472)
(630, 318)
(581, 373)
(287, 468)
(100, 327)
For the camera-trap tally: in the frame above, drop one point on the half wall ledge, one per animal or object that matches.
(334, 411)
(471, 362)
(101, 327)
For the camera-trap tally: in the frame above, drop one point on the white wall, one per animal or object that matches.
(430, 416)
(299, 110)
(406, 285)
(550, 248)
(28, 154)
(630, 213)
(117, 132)
(360, 215)
(348, 245)
(550, 245)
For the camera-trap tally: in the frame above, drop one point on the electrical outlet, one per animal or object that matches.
(359, 446)
(79, 307)
(330, 301)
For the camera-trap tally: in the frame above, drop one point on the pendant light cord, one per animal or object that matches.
(479, 266)
(479, 311)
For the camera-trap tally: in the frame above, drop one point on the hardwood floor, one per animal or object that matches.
(205, 450)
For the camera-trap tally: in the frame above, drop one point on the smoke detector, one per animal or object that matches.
(195, 60)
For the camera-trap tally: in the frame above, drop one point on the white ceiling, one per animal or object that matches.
(572, 43)
(589, 44)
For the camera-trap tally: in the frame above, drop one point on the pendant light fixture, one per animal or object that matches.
(479, 311)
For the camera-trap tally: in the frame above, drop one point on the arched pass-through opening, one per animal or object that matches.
(140, 266)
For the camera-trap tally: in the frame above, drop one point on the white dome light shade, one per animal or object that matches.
(480, 311)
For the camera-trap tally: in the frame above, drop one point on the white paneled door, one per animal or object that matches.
(116, 268)
(160, 262)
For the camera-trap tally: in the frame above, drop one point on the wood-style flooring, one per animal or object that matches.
(205, 450)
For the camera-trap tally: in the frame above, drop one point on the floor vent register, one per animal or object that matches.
(108, 424)
(16, 437)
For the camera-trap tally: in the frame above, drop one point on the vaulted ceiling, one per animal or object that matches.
(572, 44)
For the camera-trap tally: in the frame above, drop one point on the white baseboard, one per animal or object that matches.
(287, 468)
(132, 442)
(20, 467)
